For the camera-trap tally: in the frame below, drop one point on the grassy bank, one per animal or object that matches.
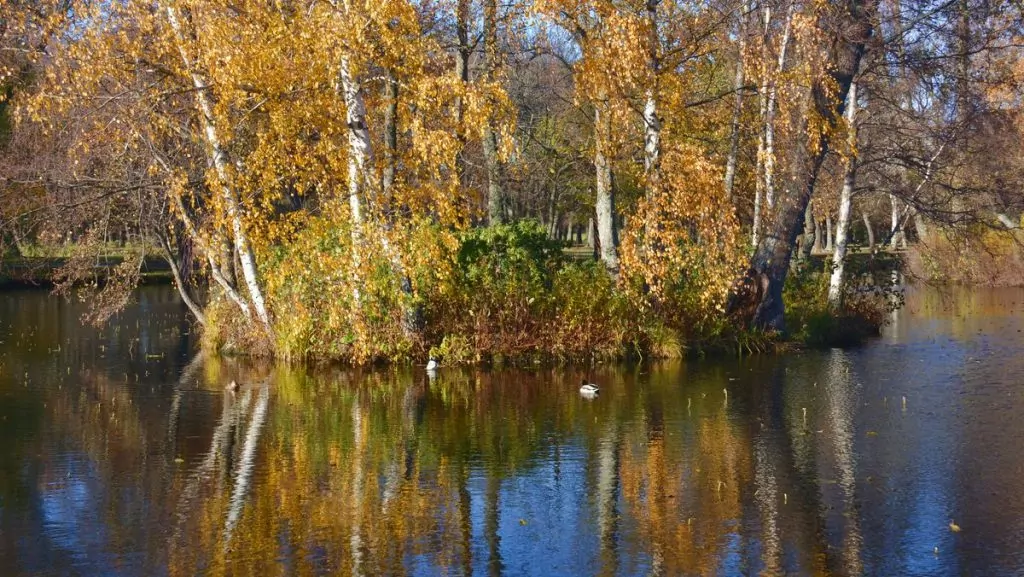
(506, 294)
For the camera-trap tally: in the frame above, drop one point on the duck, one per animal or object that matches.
(589, 389)
(953, 526)
(232, 386)
(432, 365)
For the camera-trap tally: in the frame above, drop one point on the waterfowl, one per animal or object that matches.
(432, 365)
(232, 386)
(953, 526)
(589, 389)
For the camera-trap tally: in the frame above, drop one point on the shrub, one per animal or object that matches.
(498, 296)
(869, 294)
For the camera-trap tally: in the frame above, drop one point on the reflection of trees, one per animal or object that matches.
(684, 475)
(608, 473)
(388, 473)
(842, 401)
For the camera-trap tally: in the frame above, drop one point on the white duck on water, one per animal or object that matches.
(432, 365)
(589, 389)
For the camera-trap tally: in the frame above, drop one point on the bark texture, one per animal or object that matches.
(835, 285)
(605, 203)
(221, 164)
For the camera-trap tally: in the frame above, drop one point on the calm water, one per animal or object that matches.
(124, 454)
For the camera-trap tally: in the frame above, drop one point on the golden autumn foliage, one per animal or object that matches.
(316, 172)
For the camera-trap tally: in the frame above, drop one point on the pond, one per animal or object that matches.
(125, 454)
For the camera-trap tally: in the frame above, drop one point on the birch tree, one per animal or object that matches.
(836, 281)
(847, 30)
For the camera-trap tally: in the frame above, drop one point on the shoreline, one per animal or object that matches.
(38, 272)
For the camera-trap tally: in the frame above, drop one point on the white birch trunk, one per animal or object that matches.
(605, 204)
(895, 228)
(761, 137)
(360, 148)
(652, 124)
(835, 285)
(360, 151)
(769, 123)
(221, 166)
(758, 193)
(652, 136)
(829, 233)
(737, 112)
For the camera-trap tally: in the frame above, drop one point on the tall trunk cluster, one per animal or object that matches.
(764, 197)
(366, 213)
(759, 297)
(182, 27)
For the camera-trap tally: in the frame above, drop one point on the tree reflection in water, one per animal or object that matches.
(806, 464)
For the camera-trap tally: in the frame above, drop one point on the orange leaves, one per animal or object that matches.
(686, 247)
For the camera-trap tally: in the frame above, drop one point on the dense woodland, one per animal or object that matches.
(371, 180)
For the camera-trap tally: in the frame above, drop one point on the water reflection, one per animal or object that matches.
(126, 454)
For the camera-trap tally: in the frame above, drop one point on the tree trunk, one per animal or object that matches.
(808, 239)
(829, 244)
(896, 237)
(360, 149)
(870, 230)
(494, 204)
(227, 262)
(605, 204)
(462, 55)
(920, 226)
(221, 166)
(216, 270)
(652, 137)
(755, 233)
(759, 296)
(817, 236)
(390, 136)
(769, 121)
(737, 107)
(495, 172)
(552, 215)
(652, 124)
(179, 282)
(835, 285)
